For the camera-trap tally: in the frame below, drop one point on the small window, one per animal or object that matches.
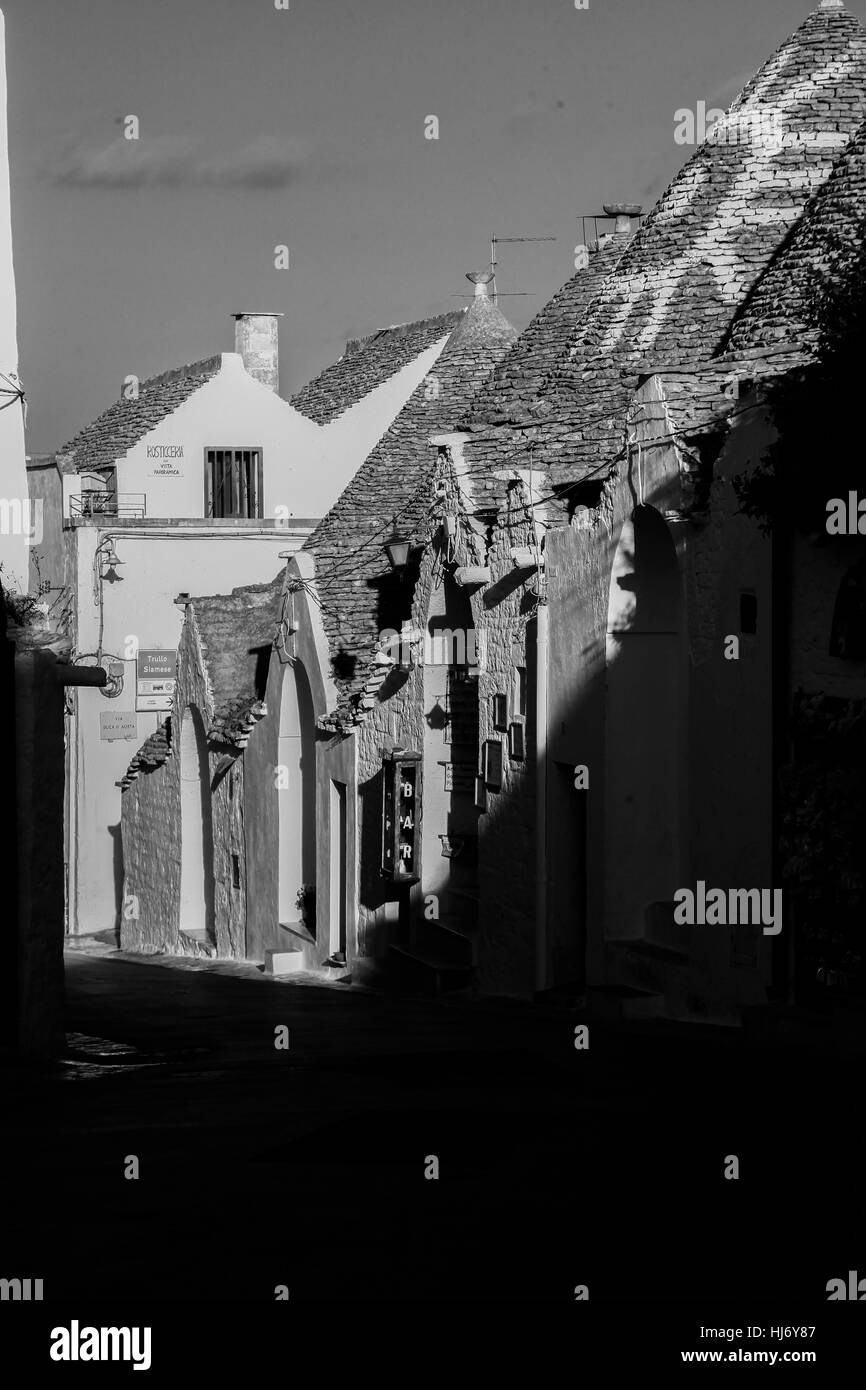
(493, 764)
(748, 614)
(236, 871)
(233, 482)
(516, 742)
(500, 712)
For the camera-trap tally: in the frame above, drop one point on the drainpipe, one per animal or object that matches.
(541, 652)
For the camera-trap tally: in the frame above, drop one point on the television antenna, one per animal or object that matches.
(509, 241)
(491, 278)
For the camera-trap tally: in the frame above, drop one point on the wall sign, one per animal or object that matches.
(167, 460)
(154, 687)
(401, 818)
(117, 724)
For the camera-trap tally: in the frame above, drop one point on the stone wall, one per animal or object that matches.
(507, 875)
(722, 743)
(151, 832)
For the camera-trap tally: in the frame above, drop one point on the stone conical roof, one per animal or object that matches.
(394, 481)
(819, 258)
(680, 282)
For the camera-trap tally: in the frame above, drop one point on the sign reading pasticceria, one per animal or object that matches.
(401, 817)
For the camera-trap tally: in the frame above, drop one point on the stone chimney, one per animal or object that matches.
(257, 339)
(625, 214)
(480, 279)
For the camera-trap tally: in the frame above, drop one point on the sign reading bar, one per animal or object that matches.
(401, 817)
(155, 679)
(117, 724)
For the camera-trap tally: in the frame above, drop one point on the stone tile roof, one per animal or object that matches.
(368, 363)
(822, 253)
(119, 428)
(515, 382)
(394, 481)
(679, 283)
(152, 753)
(236, 632)
(498, 413)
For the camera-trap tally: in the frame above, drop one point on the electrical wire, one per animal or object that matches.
(336, 572)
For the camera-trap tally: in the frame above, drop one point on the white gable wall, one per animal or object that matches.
(232, 410)
(13, 475)
(353, 435)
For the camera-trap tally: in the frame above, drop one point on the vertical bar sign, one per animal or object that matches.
(400, 818)
(406, 816)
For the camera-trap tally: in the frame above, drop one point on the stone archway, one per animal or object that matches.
(196, 865)
(644, 714)
(296, 790)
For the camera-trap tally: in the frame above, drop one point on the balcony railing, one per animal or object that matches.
(127, 505)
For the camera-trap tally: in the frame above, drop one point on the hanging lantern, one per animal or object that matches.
(397, 549)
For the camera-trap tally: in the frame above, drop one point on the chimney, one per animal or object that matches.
(480, 279)
(625, 213)
(257, 339)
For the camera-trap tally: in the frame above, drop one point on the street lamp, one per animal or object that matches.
(108, 562)
(397, 549)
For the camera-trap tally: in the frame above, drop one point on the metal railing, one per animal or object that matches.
(130, 505)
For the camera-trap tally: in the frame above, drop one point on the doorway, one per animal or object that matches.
(196, 864)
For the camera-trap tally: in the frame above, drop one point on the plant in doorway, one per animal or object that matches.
(305, 903)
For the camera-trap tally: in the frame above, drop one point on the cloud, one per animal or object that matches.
(171, 161)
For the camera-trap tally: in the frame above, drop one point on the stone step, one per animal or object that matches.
(426, 970)
(446, 941)
(286, 960)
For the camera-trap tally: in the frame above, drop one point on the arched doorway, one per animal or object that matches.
(296, 790)
(196, 864)
(643, 725)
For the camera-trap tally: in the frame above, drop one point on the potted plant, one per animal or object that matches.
(25, 610)
(305, 902)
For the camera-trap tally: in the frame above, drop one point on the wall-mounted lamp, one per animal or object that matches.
(108, 562)
(397, 549)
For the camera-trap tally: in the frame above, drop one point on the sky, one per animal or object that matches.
(305, 128)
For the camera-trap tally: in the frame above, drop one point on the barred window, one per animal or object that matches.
(233, 482)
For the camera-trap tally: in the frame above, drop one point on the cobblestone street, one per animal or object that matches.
(261, 1167)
